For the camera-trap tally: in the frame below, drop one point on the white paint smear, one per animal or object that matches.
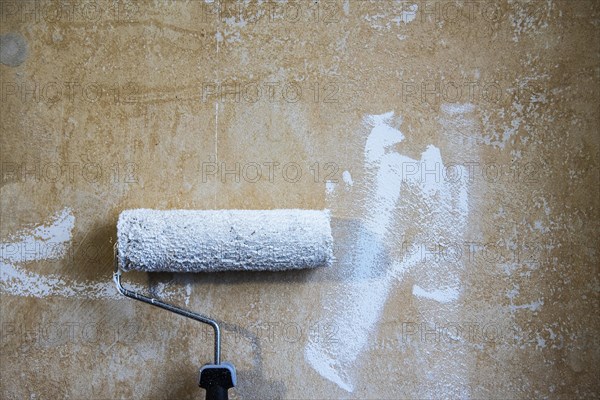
(408, 15)
(355, 309)
(330, 187)
(534, 306)
(346, 7)
(440, 295)
(347, 178)
(50, 242)
(42, 242)
(20, 282)
(457, 108)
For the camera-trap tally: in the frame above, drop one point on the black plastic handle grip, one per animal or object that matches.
(216, 393)
(217, 379)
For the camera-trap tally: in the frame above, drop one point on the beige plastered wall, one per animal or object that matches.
(455, 143)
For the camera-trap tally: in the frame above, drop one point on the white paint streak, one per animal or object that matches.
(46, 242)
(534, 306)
(42, 242)
(355, 309)
(330, 187)
(347, 178)
(19, 282)
(188, 293)
(447, 295)
(457, 108)
(327, 367)
(346, 7)
(407, 14)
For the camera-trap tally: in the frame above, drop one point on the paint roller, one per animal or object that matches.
(218, 240)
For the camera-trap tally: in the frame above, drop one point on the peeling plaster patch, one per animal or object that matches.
(447, 295)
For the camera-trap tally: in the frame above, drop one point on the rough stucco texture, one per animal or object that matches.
(455, 142)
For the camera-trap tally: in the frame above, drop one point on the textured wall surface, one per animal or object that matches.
(456, 144)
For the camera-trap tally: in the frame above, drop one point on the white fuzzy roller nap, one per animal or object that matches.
(223, 240)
